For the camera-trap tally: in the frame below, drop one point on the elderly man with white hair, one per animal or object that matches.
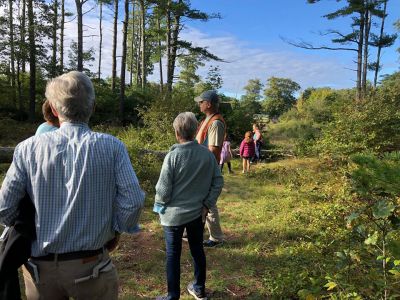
(85, 193)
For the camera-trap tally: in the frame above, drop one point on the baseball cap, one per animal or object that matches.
(210, 96)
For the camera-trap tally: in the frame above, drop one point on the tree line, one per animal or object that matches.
(33, 48)
(33, 38)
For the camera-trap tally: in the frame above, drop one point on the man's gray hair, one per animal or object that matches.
(72, 96)
(185, 125)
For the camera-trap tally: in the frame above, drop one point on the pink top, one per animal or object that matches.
(247, 149)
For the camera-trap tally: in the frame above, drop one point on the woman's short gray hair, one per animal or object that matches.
(185, 125)
(72, 95)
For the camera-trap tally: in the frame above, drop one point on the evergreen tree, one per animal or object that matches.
(279, 96)
(189, 64)
(251, 100)
(362, 12)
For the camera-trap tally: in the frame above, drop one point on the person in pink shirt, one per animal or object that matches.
(247, 150)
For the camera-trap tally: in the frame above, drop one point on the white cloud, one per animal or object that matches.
(243, 62)
(92, 36)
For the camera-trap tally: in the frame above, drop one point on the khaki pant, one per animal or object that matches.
(212, 223)
(56, 279)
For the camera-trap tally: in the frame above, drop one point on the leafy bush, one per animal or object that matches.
(147, 166)
(238, 120)
(108, 102)
(158, 117)
(372, 125)
(303, 124)
(374, 231)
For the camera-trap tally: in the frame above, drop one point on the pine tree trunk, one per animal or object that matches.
(20, 54)
(53, 71)
(22, 40)
(378, 55)
(160, 55)
(365, 63)
(143, 42)
(360, 56)
(174, 48)
(62, 26)
(32, 61)
(114, 51)
(138, 54)
(168, 47)
(123, 62)
(101, 39)
(79, 16)
(12, 52)
(132, 43)
(137, 75)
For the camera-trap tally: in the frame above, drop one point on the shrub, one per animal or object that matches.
(372, 125)
(374, 230)
(303, 123)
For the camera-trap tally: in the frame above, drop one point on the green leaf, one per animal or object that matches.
(353, 216)
(372, 239)
(396, 262)
(383, 209)
(330, 285)
(394, 272)
(303, 294)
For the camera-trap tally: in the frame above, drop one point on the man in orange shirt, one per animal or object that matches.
(211, 134)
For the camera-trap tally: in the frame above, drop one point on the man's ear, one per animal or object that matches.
(53, 110)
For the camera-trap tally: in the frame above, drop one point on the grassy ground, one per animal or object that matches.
(283, 223)
(280, 228)
(276, 233)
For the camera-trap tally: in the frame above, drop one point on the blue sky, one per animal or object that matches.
(249, 36)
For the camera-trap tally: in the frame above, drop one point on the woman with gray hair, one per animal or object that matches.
(189, 184)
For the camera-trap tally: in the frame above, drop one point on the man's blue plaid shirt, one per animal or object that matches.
(82, 184)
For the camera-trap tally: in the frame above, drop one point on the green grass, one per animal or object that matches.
(283, 224)
(276, 239)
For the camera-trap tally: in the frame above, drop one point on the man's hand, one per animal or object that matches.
(204, 213)
(112, 244)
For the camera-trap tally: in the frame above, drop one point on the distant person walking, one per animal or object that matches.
(226, 154)
(258, 142)
(189, 185)
(210, 133)
(51, 123)
(247, 150)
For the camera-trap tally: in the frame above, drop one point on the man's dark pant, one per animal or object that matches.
(173, 241)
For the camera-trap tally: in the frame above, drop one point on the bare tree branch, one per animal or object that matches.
(306, 45)
(93, 7)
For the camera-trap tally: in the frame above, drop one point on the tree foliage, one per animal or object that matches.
(279, 96)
